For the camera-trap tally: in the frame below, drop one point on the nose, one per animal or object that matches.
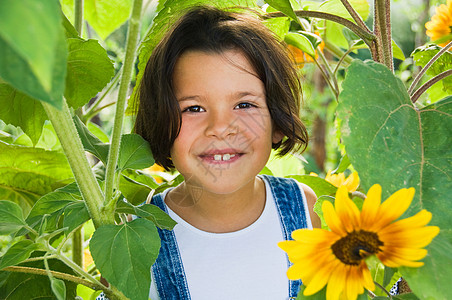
(221, 124)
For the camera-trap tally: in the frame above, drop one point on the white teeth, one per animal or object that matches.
(219, 157)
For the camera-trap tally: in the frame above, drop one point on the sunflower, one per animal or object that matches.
(441, 23)
(336, 258)
(338, 180)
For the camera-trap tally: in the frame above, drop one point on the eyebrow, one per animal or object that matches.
(235, 95)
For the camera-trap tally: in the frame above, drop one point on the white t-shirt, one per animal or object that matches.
(245, 264)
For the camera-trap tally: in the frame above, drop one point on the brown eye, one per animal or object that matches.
(244, 105)
(194, 109)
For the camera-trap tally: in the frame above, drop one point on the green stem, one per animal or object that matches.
(77, 246)
(427, 66)
(113, 154)
(56, 274)
(428, 84)
(73, 149)
(355, 15)
(383, 289)
(78, 16)
(382, 30)
(366, 36)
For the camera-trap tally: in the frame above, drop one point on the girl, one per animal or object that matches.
(218, 93)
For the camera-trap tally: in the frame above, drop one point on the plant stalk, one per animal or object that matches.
(59, 275)
(77, 246)
(113, 154)
(428, 84)
(73, 149)
(366, 36)
(355, 15)
(382, 30)
(78, 16)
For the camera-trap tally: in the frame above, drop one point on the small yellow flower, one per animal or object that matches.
(441, 23)
(336, 258)
(338, 180)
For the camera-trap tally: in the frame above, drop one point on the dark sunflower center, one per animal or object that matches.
(356, 246)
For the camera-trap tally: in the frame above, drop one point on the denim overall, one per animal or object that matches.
(168, 270)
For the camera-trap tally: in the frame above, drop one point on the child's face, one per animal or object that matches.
(226, 134)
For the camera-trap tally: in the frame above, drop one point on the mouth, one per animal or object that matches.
(221, 156)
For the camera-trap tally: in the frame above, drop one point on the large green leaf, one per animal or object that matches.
(33, 49)
(134, 153)
(106, 16)
(21, 110)
(135, 192)
(89, 69)
(12, 217)
(392, 143)
(33, 170)
(167, 13)
(336, 7)
(424, 54)
(124, 255)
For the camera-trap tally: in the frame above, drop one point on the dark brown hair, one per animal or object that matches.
(213, 30)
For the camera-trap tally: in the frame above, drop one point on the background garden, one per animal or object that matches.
(376, 100)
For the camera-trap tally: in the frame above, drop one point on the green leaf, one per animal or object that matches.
(17, 253)
(301, 42)
(58, 288)
(135, 192)
(20, 286)
(134, 153)
(12, 218)
(397, 52)
(409, 296)
(320, 186)
(320, 295)
(433, 279)
(50, 208)
(24, 199)
(389, 272)
(91, 143)
(89, 70)
(343, 165)
(424, 54)
(284, 6)
(33, 52)
(75, 214)
(392, 143)
(280, 26)
(21, 110)
(318, 209)
(140, 177)
(106, 16)
(148, 211)
(284, 166)
(124, 255)
(167, 13)
(33, 170)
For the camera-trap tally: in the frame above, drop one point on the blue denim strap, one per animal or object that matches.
(292, 213)
(168, 270)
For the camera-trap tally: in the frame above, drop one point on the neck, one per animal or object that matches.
(218, 213)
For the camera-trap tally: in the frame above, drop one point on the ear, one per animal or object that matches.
(277, 136)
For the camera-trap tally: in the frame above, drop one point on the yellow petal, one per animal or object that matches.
(318, 281)
(420, 219)
(336, 283)
(346, 210)
(393, 208)
(370, 207)
(332, 219)
(352, 182)
(395, 262)
(413, 238)
(405, 253)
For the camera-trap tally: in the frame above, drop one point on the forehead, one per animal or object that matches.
(201, 70)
